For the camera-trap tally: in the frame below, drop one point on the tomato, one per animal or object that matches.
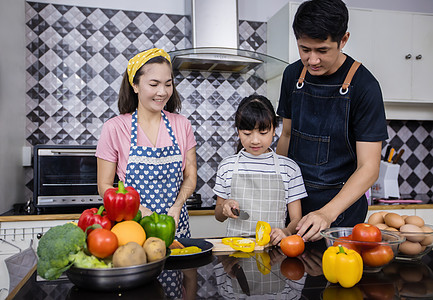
(292, 268)
(364, 232)
(377, 256)
(102, 242)
(292, 245)
(346, 242)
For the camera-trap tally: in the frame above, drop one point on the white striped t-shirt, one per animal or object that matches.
(264, 163)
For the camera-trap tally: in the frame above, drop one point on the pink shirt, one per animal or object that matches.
(115, 140)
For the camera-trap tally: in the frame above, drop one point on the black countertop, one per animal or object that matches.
(272, 276)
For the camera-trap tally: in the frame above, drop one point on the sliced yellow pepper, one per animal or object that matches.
(342, 265)
(263, 231)
(263, 261)
(186, 250)
(229, 240)
(244, 245)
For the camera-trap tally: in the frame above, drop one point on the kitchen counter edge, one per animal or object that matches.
(50, 217)
(195, 212)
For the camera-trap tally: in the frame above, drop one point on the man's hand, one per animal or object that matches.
(310, 225)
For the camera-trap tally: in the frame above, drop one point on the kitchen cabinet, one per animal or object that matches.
(403, 55)
(397, 47)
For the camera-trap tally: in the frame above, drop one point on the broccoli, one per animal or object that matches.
(82, 260)
(55, 248)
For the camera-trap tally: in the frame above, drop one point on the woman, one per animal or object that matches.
(149, 146)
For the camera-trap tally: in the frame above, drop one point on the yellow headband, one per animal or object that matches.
(141, 58)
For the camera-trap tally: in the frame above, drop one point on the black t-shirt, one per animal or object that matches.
(367, 122)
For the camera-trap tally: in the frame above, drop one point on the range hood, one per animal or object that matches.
(215, 43)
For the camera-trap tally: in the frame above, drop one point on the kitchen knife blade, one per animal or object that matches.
(241, 278)
(243, 215)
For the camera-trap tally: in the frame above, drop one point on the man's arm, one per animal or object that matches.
(284, 140)
(366, 173)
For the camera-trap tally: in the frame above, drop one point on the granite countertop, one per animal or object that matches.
(278, 277)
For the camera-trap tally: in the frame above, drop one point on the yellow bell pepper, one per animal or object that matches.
(263, 231)
(244, 245)
(186, 250)
(334, 292)
(342, 265)
(230, 240)
(263, 261)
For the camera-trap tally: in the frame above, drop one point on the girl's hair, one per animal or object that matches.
(128, 99)
(255, 111)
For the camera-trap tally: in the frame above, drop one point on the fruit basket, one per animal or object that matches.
(375, 255)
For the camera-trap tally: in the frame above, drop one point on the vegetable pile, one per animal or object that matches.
(113, 235)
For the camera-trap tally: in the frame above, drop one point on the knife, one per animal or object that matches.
(242, 279)
(398, 156)
(388, 149)
(243, 215)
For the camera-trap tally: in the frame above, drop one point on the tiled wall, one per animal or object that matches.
(75, 60)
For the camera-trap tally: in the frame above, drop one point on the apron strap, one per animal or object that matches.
(349, 77)
(302, 78)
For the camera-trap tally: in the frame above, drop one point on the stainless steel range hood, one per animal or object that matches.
(215, 42)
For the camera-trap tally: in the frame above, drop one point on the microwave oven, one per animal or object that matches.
(65, 176)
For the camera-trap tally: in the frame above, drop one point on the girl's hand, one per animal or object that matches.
(277, 234)
(174, 211)
(227, 208)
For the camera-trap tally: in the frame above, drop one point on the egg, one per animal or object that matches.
(381, 226)
(391, 229)
(410, 232)
(415, 220)
(428, 239)
(410, 248)
(375, 218)
(393, 220)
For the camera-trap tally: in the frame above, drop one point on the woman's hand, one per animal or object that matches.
(145, 211)
(174, 211)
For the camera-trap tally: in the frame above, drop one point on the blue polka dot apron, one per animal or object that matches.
(156, 174)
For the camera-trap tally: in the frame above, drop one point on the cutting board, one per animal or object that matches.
(218, 246)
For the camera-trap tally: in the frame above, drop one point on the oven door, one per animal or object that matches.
(65, 175)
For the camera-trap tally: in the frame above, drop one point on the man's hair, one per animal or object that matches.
(320, 19)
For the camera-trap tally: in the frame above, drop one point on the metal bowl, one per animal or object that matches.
(115, 279)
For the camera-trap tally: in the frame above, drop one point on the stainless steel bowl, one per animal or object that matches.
(115, 279)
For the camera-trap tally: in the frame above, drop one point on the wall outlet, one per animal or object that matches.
(27, 156)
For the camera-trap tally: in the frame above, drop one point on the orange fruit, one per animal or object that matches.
(129, 231)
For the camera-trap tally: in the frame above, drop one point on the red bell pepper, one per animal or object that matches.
(121, 203)
(93, 216)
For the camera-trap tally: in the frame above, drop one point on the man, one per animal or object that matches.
(333, 120)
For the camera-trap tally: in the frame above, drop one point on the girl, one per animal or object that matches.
(257, 180)
(149, 145)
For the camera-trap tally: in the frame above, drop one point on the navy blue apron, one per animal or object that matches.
(320, 144)
(156, 174)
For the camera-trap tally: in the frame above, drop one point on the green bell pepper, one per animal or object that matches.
(160, 226)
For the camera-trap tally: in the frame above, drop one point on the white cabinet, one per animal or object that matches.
(397, 47)
(403, 55)
(360, 43)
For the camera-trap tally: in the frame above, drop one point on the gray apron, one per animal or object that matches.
(262, 196)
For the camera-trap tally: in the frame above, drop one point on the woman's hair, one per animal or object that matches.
(255, 111)
(128, 99)
(320, 19)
